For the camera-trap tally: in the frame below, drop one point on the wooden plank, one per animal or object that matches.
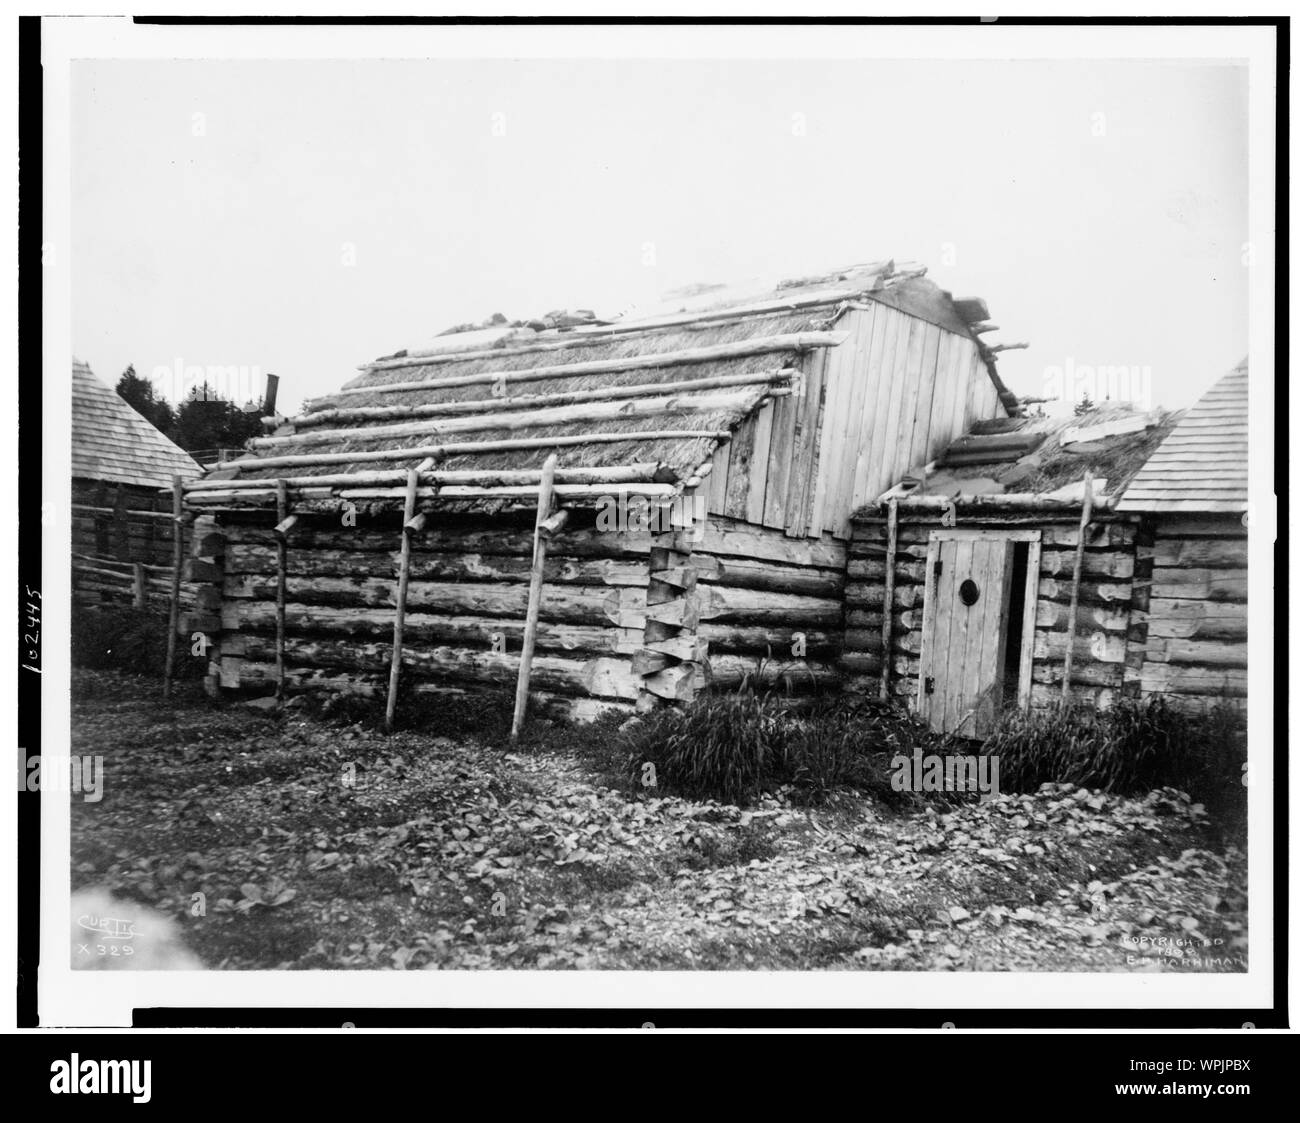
(869, 484)
(957, 560)
(757, 492)
(847, 369)
(800, 500)
(1025, 676)
(881, 380)
(940, 399)
(740, 470)
(717, 485)
(897, 451)
(917, 453)
(780, 461)
(988, 649)
(930, 651)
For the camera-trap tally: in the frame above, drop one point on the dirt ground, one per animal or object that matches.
(279, 841)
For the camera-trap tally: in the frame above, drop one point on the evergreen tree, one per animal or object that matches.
(205, 422)
(140, 395)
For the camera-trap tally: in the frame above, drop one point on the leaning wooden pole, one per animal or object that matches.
(887, 619)
(403, 579)
(535, 580)
(1073, 617)
(178, 560)
(281, 578)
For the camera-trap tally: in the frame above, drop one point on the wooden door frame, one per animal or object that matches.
(1033, 564)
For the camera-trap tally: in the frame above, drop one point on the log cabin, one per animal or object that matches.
(1040, 560)
(1193, 497)
(122, 475)
(600, 516)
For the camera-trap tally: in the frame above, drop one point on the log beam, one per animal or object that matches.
(544, 495)
(399, 616)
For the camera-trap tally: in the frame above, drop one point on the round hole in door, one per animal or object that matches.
(969, 592)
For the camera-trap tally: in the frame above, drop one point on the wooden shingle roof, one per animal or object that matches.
(1202, 465)
(110, 441)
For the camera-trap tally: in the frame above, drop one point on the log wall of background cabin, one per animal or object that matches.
(891, 396)
(115, 532)
(120, 535)
(1195, 650)
(1103, 626)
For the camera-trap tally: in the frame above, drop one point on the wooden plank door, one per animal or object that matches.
(964, 631)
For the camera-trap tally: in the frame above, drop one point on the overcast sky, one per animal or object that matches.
(318, 214)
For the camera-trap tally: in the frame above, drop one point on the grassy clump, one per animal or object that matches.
(734, 747)
(132, 640)
(1130, 748)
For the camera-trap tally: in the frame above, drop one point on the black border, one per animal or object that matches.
(30, 227)
(29, 492)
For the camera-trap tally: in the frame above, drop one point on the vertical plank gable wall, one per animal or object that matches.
(896, 394)
(889, 398)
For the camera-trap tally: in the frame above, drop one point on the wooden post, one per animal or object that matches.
(887, 622)
(281, 579)
(137, 585)
(178, 560)
(403, 579)
(536, 578)
(1074, 588)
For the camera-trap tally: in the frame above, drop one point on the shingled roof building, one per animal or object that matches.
(1193, 494)
(601, 515)
(121, 467)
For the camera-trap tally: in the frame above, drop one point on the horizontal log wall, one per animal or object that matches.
(771, 606)
(466, 603)
(760, 597)
(1103, 625)
(1195, 643)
